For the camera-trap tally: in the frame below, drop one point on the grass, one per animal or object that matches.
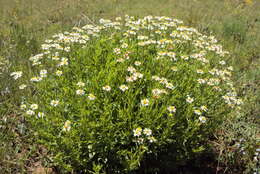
(25, 24)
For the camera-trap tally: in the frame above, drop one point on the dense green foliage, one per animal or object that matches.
(24, 26)
(120, 94)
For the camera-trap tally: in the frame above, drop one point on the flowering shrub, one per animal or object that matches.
(117, 96)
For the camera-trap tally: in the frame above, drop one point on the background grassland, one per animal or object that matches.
(24, 24)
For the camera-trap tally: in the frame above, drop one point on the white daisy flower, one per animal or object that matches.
(145, 102)
(58, 73)
(106, 88)
(202, 119)
(40, 114)
(64, 61)
(55, 103)
(189, 99)
(30, 112)
(201, 81)
(131, 69)
(171, 109)
(16, 74)
(230, 68)
(140, 140)
(137, 63)
(222, 62)
(147, 131)
(91, 97)
(174, 68)
(22, 86)
(80, 84)
(43, 73)
(131, 78)
(157, 78)
(36, 79)
(138, 75)
(198, 112)
(34, 106)
(199, 71)
(67, 126)
(204, 108)
(23, 106)
(170, 86)
(124, 45)
(80, 92)
(123, 88)
(137, 132)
